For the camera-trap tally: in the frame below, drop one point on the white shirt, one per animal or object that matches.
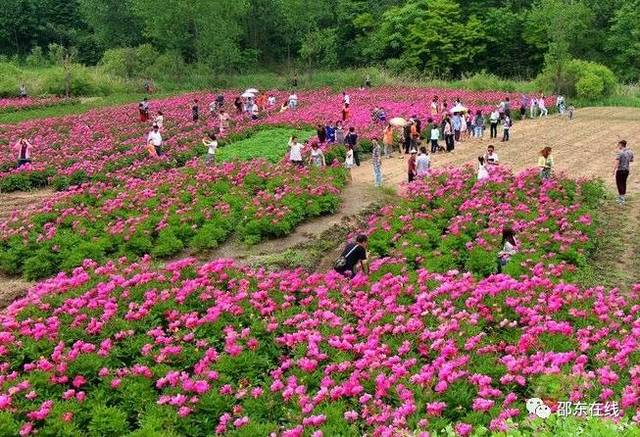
(212, 107)
(213, 145)
(482, 172)
(494, 116)
(159, 120)
(423, 161)
(435, 134)
(254, 109)
(541, 103)
(293, 98)
(296, 151)
(155, 138)
(346, 99)
(271, 101)
(491, 158)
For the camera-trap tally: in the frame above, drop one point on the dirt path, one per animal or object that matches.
(11, 288)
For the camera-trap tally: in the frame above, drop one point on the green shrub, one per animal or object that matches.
(9, 426)
(83, 82)
(481, 262)
(167, 244)
(9, 80)
(589, 86)
(107, 422)
(578, 78)
(41, 265)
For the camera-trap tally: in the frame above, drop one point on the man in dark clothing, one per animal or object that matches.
(353, 254)
(352, 140)
(407, 138)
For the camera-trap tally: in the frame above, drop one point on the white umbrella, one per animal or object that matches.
(248, 95)
(458, 108)
(252, 91)
(397, 121)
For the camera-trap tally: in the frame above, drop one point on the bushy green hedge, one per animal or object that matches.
(578, 78)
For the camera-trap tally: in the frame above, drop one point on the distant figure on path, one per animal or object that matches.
(506, 127)
(367, 81)
(376, 161)
(621, 169)
(435, 136)
(349, 162)
(543, 108)
(23, 91)
(387, 140)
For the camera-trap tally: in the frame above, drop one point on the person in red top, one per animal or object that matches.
(24, 152)
(411, 170)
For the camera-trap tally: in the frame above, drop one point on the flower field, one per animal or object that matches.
(194, 207)
(452, 222)
(74, 148)
(418, 346)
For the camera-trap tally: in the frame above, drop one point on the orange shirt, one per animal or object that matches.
(387, 136)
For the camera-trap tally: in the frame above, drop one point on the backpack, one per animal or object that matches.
(341, 262)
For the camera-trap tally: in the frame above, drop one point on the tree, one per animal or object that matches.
(113, 22)
(430, 35)
(623, 42)
(319, 48)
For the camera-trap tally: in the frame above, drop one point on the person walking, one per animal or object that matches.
(211, 142)
(479, 124)
(543, 107)
(316, 158)
(295, 152)
(159, 120)
(456, 124)
(352, 140)
(376, 161)
(23, 91)
(349, 162)
(506, 126)
(545, 163)
(354, 254)
(406, 137)
(435, 136)
(423, 162)
(493, 123)
(533, 106)
(387, 140)
(339, 133)
(624, 158)
(448, 135)
(411, 166)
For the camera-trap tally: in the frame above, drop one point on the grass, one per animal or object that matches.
(270, 144)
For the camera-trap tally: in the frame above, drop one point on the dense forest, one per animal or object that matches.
(441, 38)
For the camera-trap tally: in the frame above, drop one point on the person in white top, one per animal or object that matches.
(543, 108)
(271, 101)
(509, 248)
(482, 170)
(435, 136)
(254, 111)
(423, 162)
(493, 123)
(155, 139)
(345, 98)
(293, 101)
(159, 120)
(295, 154)
(491, 157)
(212, 145)
(223, 120)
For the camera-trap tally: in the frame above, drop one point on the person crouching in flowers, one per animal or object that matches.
(509, 248)
(295, 153)
(316, 158)
(545, 163)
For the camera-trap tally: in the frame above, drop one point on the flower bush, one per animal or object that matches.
(19, 104)
(195, 207)
(450, 220)
(193, 349)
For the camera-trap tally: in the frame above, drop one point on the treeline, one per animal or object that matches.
(439, 38)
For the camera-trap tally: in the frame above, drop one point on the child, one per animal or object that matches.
(482, 170)
(509, 248)
(570, 111)
(212, 145)
(435, 136)
(506, 125)
(349, 161)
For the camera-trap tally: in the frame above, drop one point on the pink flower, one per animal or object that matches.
(463, 429)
